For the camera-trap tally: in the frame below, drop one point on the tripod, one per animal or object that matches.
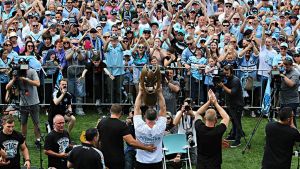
(274, 94)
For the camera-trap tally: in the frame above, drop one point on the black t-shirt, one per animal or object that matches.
(62, 106)
(86, 156)
(280, 140)
(97, 71)
(111, 132)
(236, 97)
(179, 46)
(209, 143)
(11, 144)
(44, 50)
(59, 143)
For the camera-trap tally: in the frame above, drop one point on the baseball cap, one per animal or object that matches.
(293, 16)
(228, 2)
(47, 13)
(114, 36)
(113, 12)
(127, 52)
(154, 23)
(135, 20)
(284, 44)
(147, 30)
(126, 18)
(181, 31)
(103, 19)
(13, 34)
(288, 60)
(93, 30)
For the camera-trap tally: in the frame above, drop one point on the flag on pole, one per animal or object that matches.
(59, 77)
(266, 104)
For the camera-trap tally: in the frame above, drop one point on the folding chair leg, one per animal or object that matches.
(164, 163)
(189, 158)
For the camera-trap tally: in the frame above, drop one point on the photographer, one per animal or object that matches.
(209, 134)
(170, 90)
(185, 119)
(235, 102)
(61, 104)
(280, 139)
(288, 93)
(27, 80)
(57, 144)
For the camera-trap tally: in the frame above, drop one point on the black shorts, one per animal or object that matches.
(149, 166)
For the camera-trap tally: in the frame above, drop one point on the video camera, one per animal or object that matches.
(218, 76)
(20, 69)
(275, 75)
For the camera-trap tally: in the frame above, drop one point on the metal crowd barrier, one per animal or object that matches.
(123, 92)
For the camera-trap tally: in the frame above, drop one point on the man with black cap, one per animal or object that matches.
(288, 93)
(87, 156)
(150, 131)
(105, 25)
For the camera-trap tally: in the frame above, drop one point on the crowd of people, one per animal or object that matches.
(209, 52)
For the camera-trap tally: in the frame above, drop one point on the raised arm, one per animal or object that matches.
(225, 118)
(138, 102)
(162, 103)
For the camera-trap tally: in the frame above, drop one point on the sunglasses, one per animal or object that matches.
(232, 41)
(236, 18)
(105, 36)
(88, 12)
(283, 48)
(11, 30)
(66, 43)
(7, 44)
(30, 46)
(141, 47)
(147, 32)
(228, 6)
(168, 118)
(226, 25)
(204, 31)
(35, 26)
(189, 44)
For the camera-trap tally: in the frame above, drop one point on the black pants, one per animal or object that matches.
(148, 166)
(235, 114)
(205, 166)
(114, 165)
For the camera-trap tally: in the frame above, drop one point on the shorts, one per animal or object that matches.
(34, 112)
(158, 165)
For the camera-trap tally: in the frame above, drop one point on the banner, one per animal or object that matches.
(266, 104)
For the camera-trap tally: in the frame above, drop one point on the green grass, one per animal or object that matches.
(232, 158)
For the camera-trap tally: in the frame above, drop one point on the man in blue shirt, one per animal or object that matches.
(114, 60)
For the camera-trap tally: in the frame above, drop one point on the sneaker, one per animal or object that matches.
(98, 102)
(235, 144)
(99, 109)
(38, 143)
(253, 114)
(229, 138)
(80, 112)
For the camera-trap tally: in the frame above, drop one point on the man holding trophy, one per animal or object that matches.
(150, 131)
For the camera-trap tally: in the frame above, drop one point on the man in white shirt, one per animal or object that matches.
(150, 132)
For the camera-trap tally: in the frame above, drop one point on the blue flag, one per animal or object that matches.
(59, 77)
(266, 104)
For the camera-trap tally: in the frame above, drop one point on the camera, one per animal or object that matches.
(275, 74)
(218, 76)
(187, 108)
(190, 139)
(19, 70)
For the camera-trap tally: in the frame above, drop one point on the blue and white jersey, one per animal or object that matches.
(247, 66)
(195, 62)
(277, 60)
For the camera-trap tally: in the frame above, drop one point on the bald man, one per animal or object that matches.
(209, 134)
(57, 144)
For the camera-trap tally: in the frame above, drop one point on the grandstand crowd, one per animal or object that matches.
(99, 47)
